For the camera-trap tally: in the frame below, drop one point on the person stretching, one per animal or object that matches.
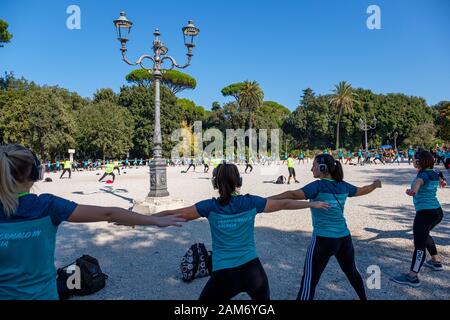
(109, 171)
(249, 165)
(67, 168)
(291, 169)
(231, 217)
(331, 236)
(428, 215)
(30, 223)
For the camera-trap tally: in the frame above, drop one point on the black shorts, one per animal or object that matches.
(291, 172)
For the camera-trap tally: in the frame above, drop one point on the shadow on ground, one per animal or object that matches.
(144, 263)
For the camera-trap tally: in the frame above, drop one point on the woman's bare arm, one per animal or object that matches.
(288, 204)
(85, 213)
(362, 191)
(293, 195)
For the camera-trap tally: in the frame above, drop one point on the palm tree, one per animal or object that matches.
(343, 100)
(250, 99)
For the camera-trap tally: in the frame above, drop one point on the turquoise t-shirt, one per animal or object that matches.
(329, 223)
(232, 229)
(426, 197)
(447, 155)
(27, 247)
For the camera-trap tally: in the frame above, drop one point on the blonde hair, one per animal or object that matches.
(16, 162)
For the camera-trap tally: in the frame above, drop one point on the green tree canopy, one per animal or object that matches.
(5, 36)
(250, 99)
(105, 130)
(395, 113)
(39, 119)
(105, 94)
(443, 119)
(343, 100)
(215, 106)
(175, 80)
(424, 135)
(191, 112)
(139, 101)
(233, 90)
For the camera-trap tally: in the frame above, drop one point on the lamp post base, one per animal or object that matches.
(158, 178)
(153, 205)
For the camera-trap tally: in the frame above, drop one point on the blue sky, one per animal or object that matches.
(284, 45)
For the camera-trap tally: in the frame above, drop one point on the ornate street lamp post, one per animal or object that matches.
(395, 136)
(395, 140)
(363, 125)
(158, 176)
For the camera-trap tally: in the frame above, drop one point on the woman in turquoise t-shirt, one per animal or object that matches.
(331, 236)
(235, 263)
(428, 215)
(28, 226)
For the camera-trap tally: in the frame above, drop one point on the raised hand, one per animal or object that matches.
(377, 183)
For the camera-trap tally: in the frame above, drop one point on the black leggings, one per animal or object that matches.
(247, 167)
(64, 171)
(319, 253)
(291, 172)
(226, 283)
(409, 159)
(424, 222)
(108, 174)
(381, 160)
(190, 166)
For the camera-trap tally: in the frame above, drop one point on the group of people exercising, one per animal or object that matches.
(28, 225)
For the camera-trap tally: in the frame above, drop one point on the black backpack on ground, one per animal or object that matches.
(92, 278)
(197, 260)
(281, 180)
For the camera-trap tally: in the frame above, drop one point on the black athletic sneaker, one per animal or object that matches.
(405, 278)
(436, 266)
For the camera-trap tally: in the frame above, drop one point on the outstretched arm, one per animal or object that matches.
(415, 188)
(188, 213)
(288, 204)
(442, 180)
(84, 213)
(293, 195)
(368, 189)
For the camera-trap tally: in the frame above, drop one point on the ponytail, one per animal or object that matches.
(15, 165)
(338, 173)
(228, 180)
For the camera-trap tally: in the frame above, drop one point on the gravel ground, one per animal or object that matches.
(143, 263)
